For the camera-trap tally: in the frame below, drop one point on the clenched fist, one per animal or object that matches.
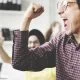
(33, 11)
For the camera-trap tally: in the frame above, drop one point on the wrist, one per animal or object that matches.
(25, 24)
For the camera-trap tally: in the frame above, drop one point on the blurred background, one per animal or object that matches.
(11, 16)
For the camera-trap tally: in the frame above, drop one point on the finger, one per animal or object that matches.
(37, 8)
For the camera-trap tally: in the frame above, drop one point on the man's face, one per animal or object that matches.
(33, 42)
(70, 14)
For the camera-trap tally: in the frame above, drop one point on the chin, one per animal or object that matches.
(68, 32)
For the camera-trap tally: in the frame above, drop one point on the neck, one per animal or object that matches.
(77, 37)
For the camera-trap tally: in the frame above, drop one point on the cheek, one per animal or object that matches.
(75, 17)
(76, 21)
(37, 45)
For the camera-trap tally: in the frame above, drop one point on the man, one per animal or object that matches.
(66, 45)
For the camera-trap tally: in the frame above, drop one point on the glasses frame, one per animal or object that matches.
(64, 4)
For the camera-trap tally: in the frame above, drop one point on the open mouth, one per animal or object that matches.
(65, 22)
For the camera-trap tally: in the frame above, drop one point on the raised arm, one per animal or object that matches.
(31, 59)
(33, 11)
(3, 54)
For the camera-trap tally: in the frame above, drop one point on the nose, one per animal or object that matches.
(32, 45)
(61, 12)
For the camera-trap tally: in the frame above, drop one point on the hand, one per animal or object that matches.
(1, 39)
(33, 11)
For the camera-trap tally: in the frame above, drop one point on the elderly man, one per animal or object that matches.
(65, 45)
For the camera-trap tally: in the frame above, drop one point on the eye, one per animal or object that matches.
(68, 4)
(36, 42)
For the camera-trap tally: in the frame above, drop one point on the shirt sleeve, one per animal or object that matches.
(34, 59)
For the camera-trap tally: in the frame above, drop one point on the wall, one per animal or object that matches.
(13, 19)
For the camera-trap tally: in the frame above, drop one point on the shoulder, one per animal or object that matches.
(58, 37)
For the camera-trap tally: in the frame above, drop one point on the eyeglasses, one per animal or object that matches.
(64, 4)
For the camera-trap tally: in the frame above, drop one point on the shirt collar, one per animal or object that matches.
(71, 39)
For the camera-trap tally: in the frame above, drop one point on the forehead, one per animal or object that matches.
(71, 0)
(67, 0)
(33, 38)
